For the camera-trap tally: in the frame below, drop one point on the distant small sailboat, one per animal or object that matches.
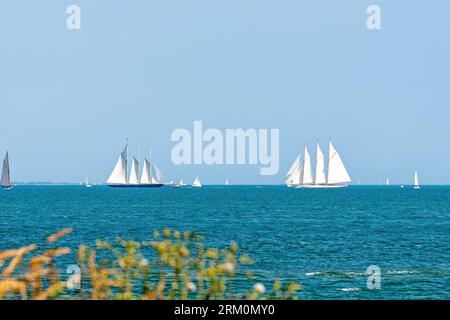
(387, 181)
(226, 182)
(6, 174)
(416, 181)
(86, 183)
(177, 185)
(300, 173)
(197, 183)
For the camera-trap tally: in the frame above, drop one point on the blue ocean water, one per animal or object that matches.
(323, 238)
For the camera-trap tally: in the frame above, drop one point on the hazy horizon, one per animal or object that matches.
(70, 99)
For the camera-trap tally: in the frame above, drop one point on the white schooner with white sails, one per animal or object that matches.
(151, 177)
(300, 173)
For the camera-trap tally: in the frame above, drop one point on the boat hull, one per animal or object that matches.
(153, 185)
(7, 187)
(320, 186)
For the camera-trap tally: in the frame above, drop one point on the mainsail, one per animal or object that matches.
(306, 172)
(6, 178)
(156, 174)
(293, 172)
(337, 174)
(320, 167)
(134, 172)
(145, 177)
(120, 172)
(416, 180)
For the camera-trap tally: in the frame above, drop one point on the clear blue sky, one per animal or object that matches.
(140, 69)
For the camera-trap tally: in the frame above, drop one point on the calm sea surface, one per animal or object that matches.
(325, 239)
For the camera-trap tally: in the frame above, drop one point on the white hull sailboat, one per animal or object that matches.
(151, 176)
(178, 185)
(6, 174)
(86, 183)
(197, 183)
(416, 181)
(300, 172)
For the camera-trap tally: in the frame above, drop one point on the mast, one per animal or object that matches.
(138, 159)
(150, 161)
(328, 159)
(127, 178)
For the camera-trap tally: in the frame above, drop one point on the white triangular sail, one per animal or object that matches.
(306, 175)
(145, 176)
(156, 175)
(196, 182)
(294, 177)
(292, 172)
(320, 167)
(120, 172)
(134, 172)
(337, 174)
(416, 180)
(226, 182)
(387, 181)
(6, 177)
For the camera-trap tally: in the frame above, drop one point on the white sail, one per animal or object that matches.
(306, 176)
(6, 177)
(156, 175)
(416, 180)
(387, 181)
(134, 172)
(181, 182)
(294, 177)
(226, 182)
(145, 176)
(120, 174)
(196, 182)
(337, 174)
(292, 170)
(320, 167)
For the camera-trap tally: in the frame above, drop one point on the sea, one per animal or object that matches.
(325, 239)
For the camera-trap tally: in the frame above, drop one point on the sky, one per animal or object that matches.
(140, 69)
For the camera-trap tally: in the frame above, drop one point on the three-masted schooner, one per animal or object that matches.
(151, 177)
(6, 174)
(300, 173)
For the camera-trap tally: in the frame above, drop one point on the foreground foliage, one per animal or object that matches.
(173, 265)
